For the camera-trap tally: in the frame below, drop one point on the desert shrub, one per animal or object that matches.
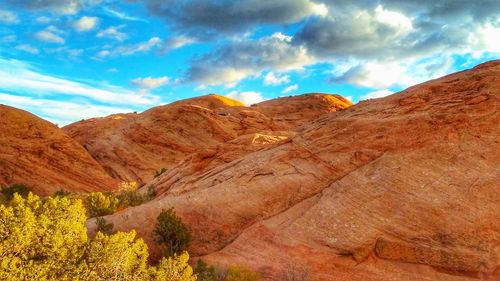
(238, 273)
(21, 189)
(151, 193)
(46, 239)
(103, 226)
(171, 233)
(62, 192)
(101, 204)
(130, 195)
(205, 272)
(159, 172)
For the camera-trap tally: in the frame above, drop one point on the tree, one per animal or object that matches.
(175, 268)
(21, 189)
(171, 232)
(100, 204)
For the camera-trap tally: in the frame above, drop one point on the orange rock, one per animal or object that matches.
(404, 187)
(134, 146)
(36, 153)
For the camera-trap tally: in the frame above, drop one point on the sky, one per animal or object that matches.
(67, 60)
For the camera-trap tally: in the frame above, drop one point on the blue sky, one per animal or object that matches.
(65, 60)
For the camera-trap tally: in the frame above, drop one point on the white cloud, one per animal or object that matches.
(43, 20)
(377, 94)
(148, 83)
(27, 48)
(113, 32)
(60, 112)
(289, 89)
(22, 78)
(86, 23)
(50, 34)
(128, 50)
(121, 15)
(247, 98)
(8, 17)
(176, 42)
(276, 79)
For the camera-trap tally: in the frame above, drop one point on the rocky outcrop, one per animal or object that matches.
(36, 153)
(135, 146)
(404, 187)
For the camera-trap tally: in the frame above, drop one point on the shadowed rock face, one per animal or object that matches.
(36, 153)
(134, 146)
(400, 188)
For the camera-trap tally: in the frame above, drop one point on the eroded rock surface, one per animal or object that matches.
(36, 153)
(405, 187)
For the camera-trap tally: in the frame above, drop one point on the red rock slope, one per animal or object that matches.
(37, 153)
(134, 146)
(405, 187)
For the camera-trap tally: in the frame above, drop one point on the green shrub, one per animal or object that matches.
(130, 195)
(21, 189)
(151, 193)
(62, 193)
(104, 227)
(205, 272)
(171, 233)
(159, 172)
(238, 273)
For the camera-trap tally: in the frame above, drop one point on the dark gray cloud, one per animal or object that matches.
(57, 6)
(205, 18)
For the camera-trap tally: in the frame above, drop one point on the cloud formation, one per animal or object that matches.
(275, 79)
(248, 98)
(290, 89)
(149, 83)
(8, 17)
(86, 23)
(113, 32)
(69, 7)
(205, 18)
(51, 34)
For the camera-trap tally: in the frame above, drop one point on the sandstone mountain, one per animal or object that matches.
(405, 187)
(135, 146)
(36, 153)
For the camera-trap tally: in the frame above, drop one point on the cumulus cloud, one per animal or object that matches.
(248, 98)
(113, 32)
(238, 60)
(8, 17)
(86, 23)
(51, 34)
(201, 18)
(290, 89)
(275, 79)
(377, 94)
(27, 48)
(149, 83)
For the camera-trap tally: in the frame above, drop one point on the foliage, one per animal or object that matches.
(101, 204)
(151, 193)
(104, 227)
(46, 239)
(238, 273)
(171, 232)
(62, 192)
(130, 195)
(8, 192)
(175, 268)
(159, 172)
(205, 272)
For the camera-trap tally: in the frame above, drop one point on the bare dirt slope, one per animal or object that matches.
(36, 153)
(135, 146)
(405, 187)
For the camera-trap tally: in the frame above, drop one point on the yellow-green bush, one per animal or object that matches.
(46, 239)
(101, 204)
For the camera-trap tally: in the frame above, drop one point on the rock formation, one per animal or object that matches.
(404, 187)
(36, 153)
(135, 146)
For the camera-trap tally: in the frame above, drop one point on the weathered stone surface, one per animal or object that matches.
(36, 153)
(400, 188)
(134, 146)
